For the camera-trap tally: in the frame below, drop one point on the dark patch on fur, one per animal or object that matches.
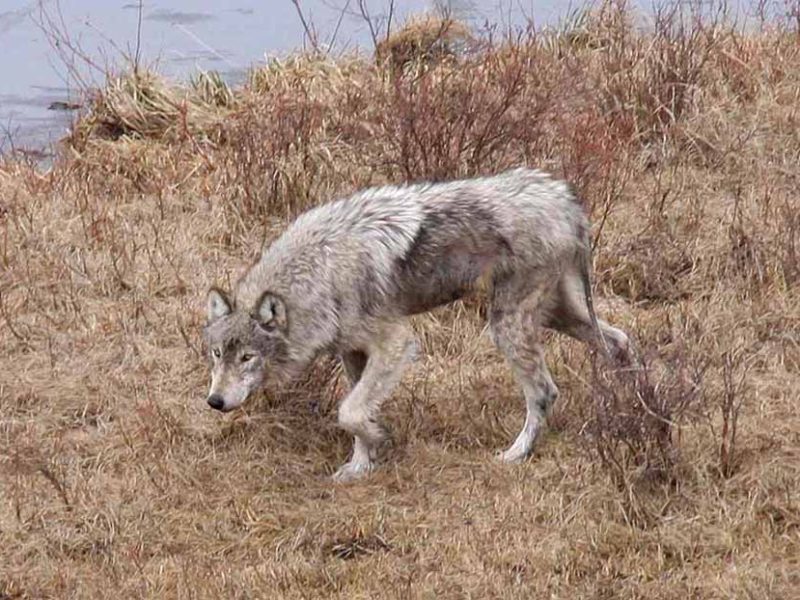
(231, 347)
(496, 314)
(544, 401)
(271, 343)
(454, 246)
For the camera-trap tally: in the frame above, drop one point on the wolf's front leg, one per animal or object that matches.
(392, 349)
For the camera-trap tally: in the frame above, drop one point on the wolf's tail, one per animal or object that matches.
(585, 267)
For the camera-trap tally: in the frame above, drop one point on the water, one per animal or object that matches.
(180, 37)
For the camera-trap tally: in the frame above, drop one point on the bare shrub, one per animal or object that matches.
(282, 154)
(443, 122)
(730, 402)
(648, 82)
(636, 413)
(640, 414)
(762, 244)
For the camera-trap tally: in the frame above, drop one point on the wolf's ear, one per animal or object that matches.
(271, 312)
(217, 304)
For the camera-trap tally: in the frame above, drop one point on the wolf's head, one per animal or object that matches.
(244, 348)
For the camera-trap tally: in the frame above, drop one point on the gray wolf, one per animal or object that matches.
(345, 277)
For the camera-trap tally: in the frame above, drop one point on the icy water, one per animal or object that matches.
(179, 37)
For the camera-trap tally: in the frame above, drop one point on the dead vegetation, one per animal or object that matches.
(678, 481)
(423, 40)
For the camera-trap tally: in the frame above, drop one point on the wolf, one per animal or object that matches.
(345, 277)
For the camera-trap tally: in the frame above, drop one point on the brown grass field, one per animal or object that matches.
(678, 481)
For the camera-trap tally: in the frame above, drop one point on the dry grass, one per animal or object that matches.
(116, 481)
(427, 39)
(142, 105)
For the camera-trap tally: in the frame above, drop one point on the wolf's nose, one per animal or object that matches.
(216, 401)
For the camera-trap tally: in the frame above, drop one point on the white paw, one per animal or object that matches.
(517, 453)
(351, 471)
(512, 456)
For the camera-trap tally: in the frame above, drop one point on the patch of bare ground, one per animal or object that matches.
(680, 481)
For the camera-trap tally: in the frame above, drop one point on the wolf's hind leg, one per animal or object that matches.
(514, 327)
(569, 314)
(539, 390)
(387, 358)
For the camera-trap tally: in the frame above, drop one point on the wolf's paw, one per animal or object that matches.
(517, 453)
(352, 471)
(512, 456)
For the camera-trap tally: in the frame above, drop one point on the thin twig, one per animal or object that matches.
(309, 31)
(50, 476)
(389, 19)
(138, 39)
(364, 11)
(58, 38)
(342, 14)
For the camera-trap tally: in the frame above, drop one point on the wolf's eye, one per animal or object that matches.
(246, 358)
(216, 353)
